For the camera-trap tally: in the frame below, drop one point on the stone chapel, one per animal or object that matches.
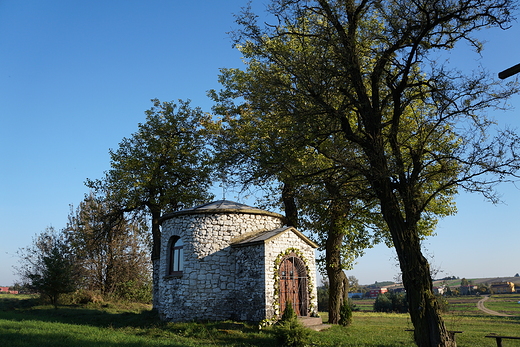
(225, 260)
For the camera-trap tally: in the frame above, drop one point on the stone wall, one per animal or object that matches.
(249, 294)
(208, 286)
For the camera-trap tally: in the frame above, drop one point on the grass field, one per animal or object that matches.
(24, 323)
(505, 303)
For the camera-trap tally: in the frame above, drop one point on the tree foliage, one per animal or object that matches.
(162, 166)
(48, 266)
(112, 249)
(391, 302)
(354, 84)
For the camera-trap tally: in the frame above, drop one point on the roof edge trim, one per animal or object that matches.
(221, 211)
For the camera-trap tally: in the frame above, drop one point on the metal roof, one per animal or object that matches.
(221, 206)
(264, 236)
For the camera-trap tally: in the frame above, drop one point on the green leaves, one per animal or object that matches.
(48, 267)
(165, 163)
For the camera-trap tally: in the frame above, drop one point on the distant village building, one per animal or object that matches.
(5, 290)
(226, 260)
(502, 287)
(373, 293)
(439, 290)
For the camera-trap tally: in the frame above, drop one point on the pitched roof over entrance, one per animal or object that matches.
(221, 206)
(264, 236)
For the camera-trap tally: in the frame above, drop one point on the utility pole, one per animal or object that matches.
(509, 72)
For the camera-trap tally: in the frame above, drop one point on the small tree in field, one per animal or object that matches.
(48, 267)
(346, 313)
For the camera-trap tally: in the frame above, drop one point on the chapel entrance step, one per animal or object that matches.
(314, 323)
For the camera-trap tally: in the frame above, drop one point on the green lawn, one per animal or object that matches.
(23, 323)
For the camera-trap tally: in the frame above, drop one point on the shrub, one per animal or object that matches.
(391, 302)
(383, 303)
(290, 331)
(288, 313)
(442, 303)
(345, 313)
(83, 296)
(399, 302)
(134, 291)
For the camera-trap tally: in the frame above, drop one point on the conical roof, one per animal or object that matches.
(221, 206)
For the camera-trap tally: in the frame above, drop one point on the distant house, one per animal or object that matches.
(373, 293)
(5, 290)
(468, 290)
(502, 287)
(439, 290)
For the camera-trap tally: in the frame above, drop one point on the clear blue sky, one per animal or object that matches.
(77, 76)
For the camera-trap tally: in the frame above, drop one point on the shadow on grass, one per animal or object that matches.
(9, 303)
(138, 323)
(24, 339)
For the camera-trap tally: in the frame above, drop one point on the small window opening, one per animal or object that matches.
(176, 265)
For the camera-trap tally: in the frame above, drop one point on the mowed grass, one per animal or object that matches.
(25, 323)
(389, 329)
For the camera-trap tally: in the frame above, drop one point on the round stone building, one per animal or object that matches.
(225, 260)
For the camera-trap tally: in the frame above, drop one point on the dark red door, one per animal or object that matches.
(293, 285)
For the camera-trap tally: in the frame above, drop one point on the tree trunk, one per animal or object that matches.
(337, 286)
(289, 202)
(156, 298)
(334, 271)
(346, 287)
(402, 217)
(429, 328)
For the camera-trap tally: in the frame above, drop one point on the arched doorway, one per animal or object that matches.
(293, 284)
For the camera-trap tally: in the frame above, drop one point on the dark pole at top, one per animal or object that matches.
(509, 72)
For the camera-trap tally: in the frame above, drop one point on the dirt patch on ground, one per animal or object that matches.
(481, 307)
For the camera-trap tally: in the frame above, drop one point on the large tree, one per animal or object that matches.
(161, 167)
(418, 131)
(112, 248)
(312, 167)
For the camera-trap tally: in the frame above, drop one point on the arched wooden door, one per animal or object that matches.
(293, 284)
